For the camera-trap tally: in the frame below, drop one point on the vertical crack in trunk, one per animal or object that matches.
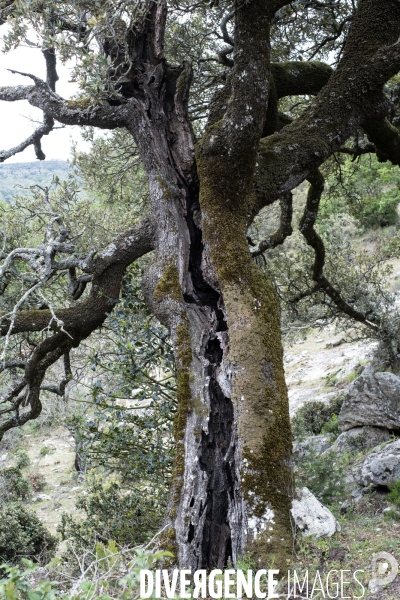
(217, 455)
(212, 539)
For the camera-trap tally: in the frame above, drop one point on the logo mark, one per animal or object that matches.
(384, 570)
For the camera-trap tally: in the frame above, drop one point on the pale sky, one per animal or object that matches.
(15, 125)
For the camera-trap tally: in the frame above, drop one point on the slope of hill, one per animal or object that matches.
(16, 176)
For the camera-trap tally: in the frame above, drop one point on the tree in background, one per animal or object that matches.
(204, 107)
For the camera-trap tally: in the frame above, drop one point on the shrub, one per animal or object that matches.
(311, 418)
(112, 513)
(110, 574)
(22, 534)
(22, 459)
(323, 474)
(38, 481)
(13, 485)
(380, 210)
(331, 426)
(371, 193)
(394, 498)
(394, 494)
(17, 585)
(45, 450)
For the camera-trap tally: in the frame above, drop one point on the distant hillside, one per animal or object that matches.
(14, 176)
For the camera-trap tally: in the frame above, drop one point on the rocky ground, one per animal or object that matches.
(316, 368)
(359, 530)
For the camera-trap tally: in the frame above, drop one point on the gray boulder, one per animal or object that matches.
(380, 468)
(311, 517)
(372, 399)
(360, 438)
(313, 443)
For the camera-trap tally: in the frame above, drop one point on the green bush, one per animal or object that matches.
(331, 426)
(112, 513)
(22, 459)
(371, 192)
(102, 581)
(394, 494)
(38, 481)
(45, 450)
(22, 534)
(323, 474)
(380, 210)
(317, 417)
(13, 485)
(394, 498)
(128, 453)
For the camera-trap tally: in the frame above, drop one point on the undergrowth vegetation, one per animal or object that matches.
(22, 534)
(108, 574)
(317, 417)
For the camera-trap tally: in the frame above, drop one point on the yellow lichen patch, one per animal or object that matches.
(167, 195)
(79, 103)
(167, 542)
(199, 408)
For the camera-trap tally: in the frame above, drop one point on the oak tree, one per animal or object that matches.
(202, 91)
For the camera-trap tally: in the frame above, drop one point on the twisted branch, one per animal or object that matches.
(285, 227)
(71, 325)
(48, 122)
(314, 240)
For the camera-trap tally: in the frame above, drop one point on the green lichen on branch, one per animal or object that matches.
(183, 393)
(168, 285)
(263, 411)
(168, 543)
(80, 103)
(298, 78)
(183, 357)
(225, 209)
(167, 194)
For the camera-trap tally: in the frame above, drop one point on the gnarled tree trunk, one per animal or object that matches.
(232, 481)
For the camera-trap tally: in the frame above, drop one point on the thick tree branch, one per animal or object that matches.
(48, 123)
(314, 240)
(59, 389)
(352, 96)
(240, 107)
(385, 137)
(107, 269)
(26, 393)
(33, 140)
(228, 39)
(71, 112)
(76, 323)
(300, 78)
(291, 79)
(357, 151)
